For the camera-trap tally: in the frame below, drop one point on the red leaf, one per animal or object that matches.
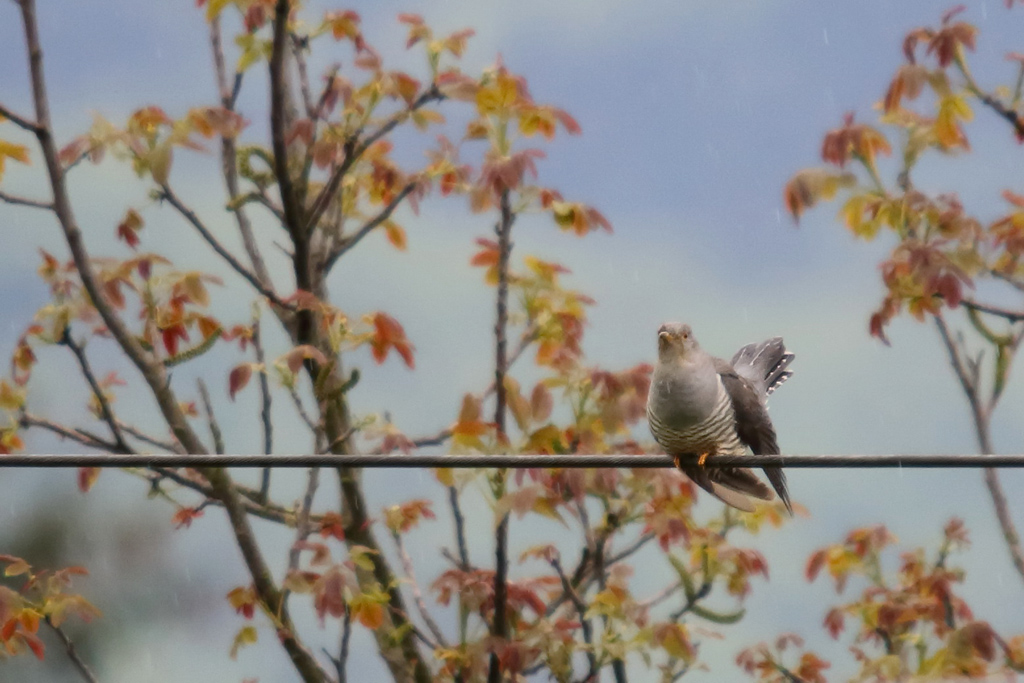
(171, 335)
(87, 476)
(814, 565)
(34, 644)
(238, 378)
(834, 622)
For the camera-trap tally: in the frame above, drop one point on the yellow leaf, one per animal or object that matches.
(445, 476)
(499, 96)
(17, 568)
(360, 555)
(11, 398)
(194, 288)
(9, 150)
(246, 636)
(214, 8)
(160, 162)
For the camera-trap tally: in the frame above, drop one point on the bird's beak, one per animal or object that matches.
(664, 339)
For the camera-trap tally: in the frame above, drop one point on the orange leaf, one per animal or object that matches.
(389, 334)
(369, 614)
(396, 235)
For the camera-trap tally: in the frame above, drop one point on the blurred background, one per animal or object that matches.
(694, 116)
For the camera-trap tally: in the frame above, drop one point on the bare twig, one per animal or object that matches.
(265, 421)
(417, 595)
(69, 648)
(635, 546)
(20, 121)
(229, 160)
(211, 419)
(269, 511)
(301, 409)
(106, 412)
(981, 416)
(188, 214)
(76, 434)
(303, 528)
(25, 201)
(967, 383)
(162, 444)
(1012, 316)
(581, 609)
(352, 240)
(460, 528)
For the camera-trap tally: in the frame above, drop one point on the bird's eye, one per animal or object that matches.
(685, 335)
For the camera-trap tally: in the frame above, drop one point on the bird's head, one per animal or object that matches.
(675, 341)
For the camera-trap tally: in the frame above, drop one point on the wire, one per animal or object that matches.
(515, 461)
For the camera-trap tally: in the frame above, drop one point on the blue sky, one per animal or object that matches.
(694, 115)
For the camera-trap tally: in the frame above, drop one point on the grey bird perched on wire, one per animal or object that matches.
(700, 405)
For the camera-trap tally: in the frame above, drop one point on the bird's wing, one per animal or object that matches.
(753, 425)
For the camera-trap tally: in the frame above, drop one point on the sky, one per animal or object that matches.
(694, 115)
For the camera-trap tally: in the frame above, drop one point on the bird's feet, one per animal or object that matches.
(703, 458)
(678, 462)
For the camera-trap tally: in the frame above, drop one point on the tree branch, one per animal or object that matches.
(1012, 316)
(188, 214)
(279, 125)
(355, 150)
(166, 446)
(211, 419)
(350, 241)
(500, 627)
(76, 434)
(968, 384)
(229, 158)
(105, 410)
(265, 421)
(20, 121)
(417, 595)
(69, 648)
(24, 201)
(981, 427)
(270, 595)
(581, 610)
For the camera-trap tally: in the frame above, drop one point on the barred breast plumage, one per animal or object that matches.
(715, 434)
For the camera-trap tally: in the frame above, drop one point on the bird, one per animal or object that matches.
(699, 405)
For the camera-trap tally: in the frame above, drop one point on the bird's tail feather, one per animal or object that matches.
(778, 480)
(731, 485)
(766, 364)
